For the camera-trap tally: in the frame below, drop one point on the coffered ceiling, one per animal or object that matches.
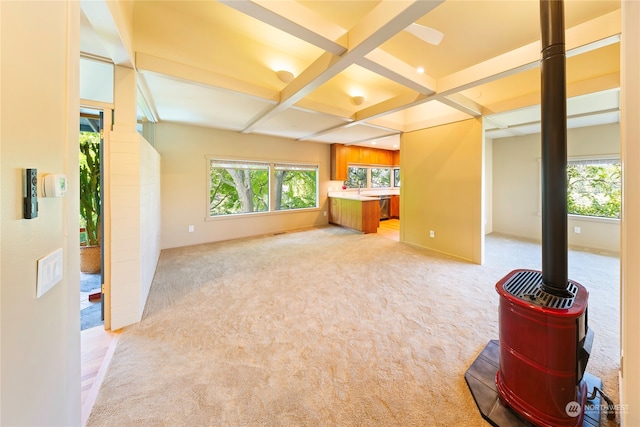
(214, 63)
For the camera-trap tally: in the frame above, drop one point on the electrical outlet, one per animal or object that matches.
(432, 234)
(324, 213)
(577, 230)
(191, 228)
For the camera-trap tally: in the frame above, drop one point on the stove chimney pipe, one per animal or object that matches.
(554, 149)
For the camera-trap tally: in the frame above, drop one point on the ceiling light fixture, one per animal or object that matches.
(420, 70)
(284, 75)
(357, 100)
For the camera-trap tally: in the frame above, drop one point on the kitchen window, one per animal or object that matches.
(380, 177)
(396, 177)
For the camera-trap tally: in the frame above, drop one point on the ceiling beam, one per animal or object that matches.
(295, 19)
(107, 23)
(386, 65)
(462, 103)
(382, 23)
(590, 35)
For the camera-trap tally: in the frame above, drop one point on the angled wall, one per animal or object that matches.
(442, 189)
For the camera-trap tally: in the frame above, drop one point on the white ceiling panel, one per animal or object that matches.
(354, 134)
(187, 102)
(298, 123)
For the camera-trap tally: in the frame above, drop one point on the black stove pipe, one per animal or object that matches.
(554, 149)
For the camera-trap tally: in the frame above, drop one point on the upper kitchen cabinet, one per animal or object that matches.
(339, 162)
(396, 158)
(342, 156)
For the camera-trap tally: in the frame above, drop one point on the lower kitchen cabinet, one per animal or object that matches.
(361, 215)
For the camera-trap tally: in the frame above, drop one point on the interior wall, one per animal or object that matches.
(630, 273)
(488, 186)
(516, 186)
(150, 220)
(441, 176)
(133, 203)
(40, 337)
(184, 182)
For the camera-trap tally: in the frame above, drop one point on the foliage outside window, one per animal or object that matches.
(380, 177)
(594, 188)
(295, 186)
(396, 177)
(356, 177)
(238, 187)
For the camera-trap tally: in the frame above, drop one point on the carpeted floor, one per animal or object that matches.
(326, 327)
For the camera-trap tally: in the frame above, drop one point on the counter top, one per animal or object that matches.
(364, 195)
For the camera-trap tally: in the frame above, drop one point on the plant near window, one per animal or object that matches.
(90, 201)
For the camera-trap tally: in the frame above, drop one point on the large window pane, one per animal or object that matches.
(357, 177)
(594, 188)
(237, 187)
(295, 187)
(380, 177)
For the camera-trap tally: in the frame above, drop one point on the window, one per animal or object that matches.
(380, 177)
(295, 186)
(396, 177)
(356, 177)
(594, 188)
(239, 187)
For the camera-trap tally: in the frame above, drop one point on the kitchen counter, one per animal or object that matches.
(358, 212)
(364, 195)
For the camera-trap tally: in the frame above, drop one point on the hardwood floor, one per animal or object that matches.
(96, 349)
(390, 228)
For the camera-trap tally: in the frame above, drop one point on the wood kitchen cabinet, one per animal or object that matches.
(361, 215)
(342, 156)
(394, 207)
(339, 162)
(396, 158)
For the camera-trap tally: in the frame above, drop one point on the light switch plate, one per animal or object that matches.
(49, 272)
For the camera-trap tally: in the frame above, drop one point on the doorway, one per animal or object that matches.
(91, 214)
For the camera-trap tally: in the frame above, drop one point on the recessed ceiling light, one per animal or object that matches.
(373, 143)
(420, 70)
(395, 145)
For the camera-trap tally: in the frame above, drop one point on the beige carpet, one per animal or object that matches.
(326, 327)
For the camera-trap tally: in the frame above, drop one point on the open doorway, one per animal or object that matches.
(91, 214)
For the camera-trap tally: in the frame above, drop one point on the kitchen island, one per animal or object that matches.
(359, 213)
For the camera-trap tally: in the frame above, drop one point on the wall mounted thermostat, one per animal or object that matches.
(55, 185)
(30, 207)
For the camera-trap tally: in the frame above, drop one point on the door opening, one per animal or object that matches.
(91, 214)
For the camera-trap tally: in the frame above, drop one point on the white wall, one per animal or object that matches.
(516, 186)
(630, 274)
(150, 221)
(185, 177)
(488, 186)
(441, 174)
(40, 338)
(133, 178)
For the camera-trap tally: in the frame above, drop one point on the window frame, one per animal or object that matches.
(271, 167)
(596, 157)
